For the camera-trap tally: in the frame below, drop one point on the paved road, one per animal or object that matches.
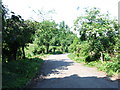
(61, 72)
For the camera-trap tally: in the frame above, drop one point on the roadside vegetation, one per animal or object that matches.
(98, 44)
(16, 74)
(25, 43)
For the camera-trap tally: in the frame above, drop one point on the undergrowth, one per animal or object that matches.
(17, 73)
(110, 67)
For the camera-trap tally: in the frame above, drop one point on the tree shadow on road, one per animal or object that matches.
(75, 81)
(54, 65)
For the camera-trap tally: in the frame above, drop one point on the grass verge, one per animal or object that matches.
(41, 56)
(111, 68)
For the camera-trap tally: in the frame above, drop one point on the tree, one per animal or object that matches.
(47, 30)
(66, 37)
(16, 34)
(53, 36)
(98, 30)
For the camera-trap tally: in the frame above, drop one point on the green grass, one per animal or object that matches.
(41, 55)
(111, 68)
(75, 58)
(16, 74)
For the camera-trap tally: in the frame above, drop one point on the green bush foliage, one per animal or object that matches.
(107, 57)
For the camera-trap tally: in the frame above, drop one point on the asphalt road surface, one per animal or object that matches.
(61, 72)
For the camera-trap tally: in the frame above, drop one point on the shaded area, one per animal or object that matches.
(74, 81)
(53, 65)
(56, 52)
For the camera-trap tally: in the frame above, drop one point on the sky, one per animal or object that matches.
(67, 10)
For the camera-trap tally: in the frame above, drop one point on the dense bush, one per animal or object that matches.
(107, 57)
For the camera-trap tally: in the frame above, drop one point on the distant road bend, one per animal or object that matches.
(61, 72)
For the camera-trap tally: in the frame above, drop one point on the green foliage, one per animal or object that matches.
(76, 58)
(45, 34)
(23, 39)
(29, 50)
(17, 33)
(72, 47)
(110, 67)
(53, 37)
(107, 57)
(97, 27)
(100, 32)
(85, 49)
(98, 44)
(23, 71)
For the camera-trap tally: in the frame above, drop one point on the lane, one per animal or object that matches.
(61, 72)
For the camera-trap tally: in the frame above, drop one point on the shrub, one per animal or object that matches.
(106, 57)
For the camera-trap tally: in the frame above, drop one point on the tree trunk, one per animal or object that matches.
(101, 57)
(23, 52)
(43, 51)
(13, 54)
(54, 50)
(15, 51)
(47, 49)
